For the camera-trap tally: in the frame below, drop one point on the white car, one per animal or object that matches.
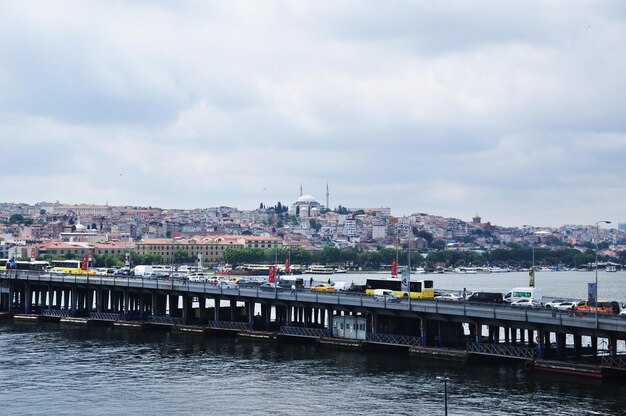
(449, 297)
(565, 306)
(622, 314)
(527, 303)
(554, 303)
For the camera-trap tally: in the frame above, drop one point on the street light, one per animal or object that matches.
(596, 241)
(445, 393)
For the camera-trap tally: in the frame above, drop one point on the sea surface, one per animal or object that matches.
(56, 369)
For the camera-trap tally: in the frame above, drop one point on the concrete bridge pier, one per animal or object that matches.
(330, 314)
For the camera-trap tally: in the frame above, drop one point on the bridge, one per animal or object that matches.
(478, 329)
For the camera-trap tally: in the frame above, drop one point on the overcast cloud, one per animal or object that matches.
(513, 110)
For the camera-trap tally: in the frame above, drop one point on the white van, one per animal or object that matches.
(342, 286)
(142, 270)
(518, 293)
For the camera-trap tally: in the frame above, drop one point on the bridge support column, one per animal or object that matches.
(329, 329)
(233, 310)
(578, 346)
(540, 344)
(74, 300)
(26, 301)
(612, 346)
(126, 305)
(560, 346)
(594, 346)
(250, 309)
(172, 301)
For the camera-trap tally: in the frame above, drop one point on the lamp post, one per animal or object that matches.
(596, 241)
(445, 393)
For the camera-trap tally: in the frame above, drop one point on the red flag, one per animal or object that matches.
(90, 254)
(272, 276)
(394, 269)
(287, 266)
(32, 254)
(83, 263)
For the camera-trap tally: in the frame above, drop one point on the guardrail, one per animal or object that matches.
(614, 361)
(62, 313)
(304, 332)
(165, 320)
(105, 316)
(501, 350)
(394, 339)
(240, 326)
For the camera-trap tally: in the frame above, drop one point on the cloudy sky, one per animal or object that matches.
(513, 110)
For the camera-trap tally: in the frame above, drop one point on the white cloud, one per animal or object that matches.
(515, 111)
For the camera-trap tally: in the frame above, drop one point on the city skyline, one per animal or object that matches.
(512, 112)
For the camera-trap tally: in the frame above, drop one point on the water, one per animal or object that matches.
(57, 369)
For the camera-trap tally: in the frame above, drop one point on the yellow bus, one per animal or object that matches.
(419, 289)
(69, 267)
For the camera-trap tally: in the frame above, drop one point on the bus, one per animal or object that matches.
(419, 289)
(69, 267)
(34, 265)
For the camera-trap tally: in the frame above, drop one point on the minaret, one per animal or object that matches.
(327, 196)
(300, 189)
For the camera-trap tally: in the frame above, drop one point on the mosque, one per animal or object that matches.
(307, 206)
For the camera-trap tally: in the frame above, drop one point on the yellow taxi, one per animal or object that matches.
(323, 287)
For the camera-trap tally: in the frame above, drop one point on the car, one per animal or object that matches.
(449, 297)
(226, 285)
(565, 306)
(122, 272)
(526, 303)
(554, 303)
(622, 314)
(386, 295)
(323, 287)
(266, 287)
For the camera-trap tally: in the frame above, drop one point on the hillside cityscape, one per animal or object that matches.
(305, 229)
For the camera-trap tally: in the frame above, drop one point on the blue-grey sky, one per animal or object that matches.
(513, 110)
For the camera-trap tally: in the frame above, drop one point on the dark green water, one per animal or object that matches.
(54, 369)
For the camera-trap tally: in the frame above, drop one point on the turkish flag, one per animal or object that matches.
(272, 275)
(83, 263)
(287, 266)
(394, 269)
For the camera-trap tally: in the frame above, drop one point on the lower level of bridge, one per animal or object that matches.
(437, 335)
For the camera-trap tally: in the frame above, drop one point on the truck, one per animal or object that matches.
(518, 293)
(140, 271)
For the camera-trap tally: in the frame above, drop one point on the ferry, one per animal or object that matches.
(320, 269)
(465, 270)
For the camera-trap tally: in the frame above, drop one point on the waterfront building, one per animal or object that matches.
(211, 247)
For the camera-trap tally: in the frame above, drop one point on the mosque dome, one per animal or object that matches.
(306, 199)
(80, 228)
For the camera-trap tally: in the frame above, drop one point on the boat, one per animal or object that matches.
(320, 269)
(246, 270)
(611, 269)
(465, 270)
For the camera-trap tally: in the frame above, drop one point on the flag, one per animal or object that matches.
(592, 294)
(405, 281)
(394, 269)
(32, 254)
(287, 266)
(272, 275)
(83, 263)
(90, 254)
(531, 277)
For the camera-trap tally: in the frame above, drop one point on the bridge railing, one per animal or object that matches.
(62, 313)
(304, 332)
(502, 350)
(105, 316)
(165, 320)
(240, 326)
(614, 361)
(394, 339)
